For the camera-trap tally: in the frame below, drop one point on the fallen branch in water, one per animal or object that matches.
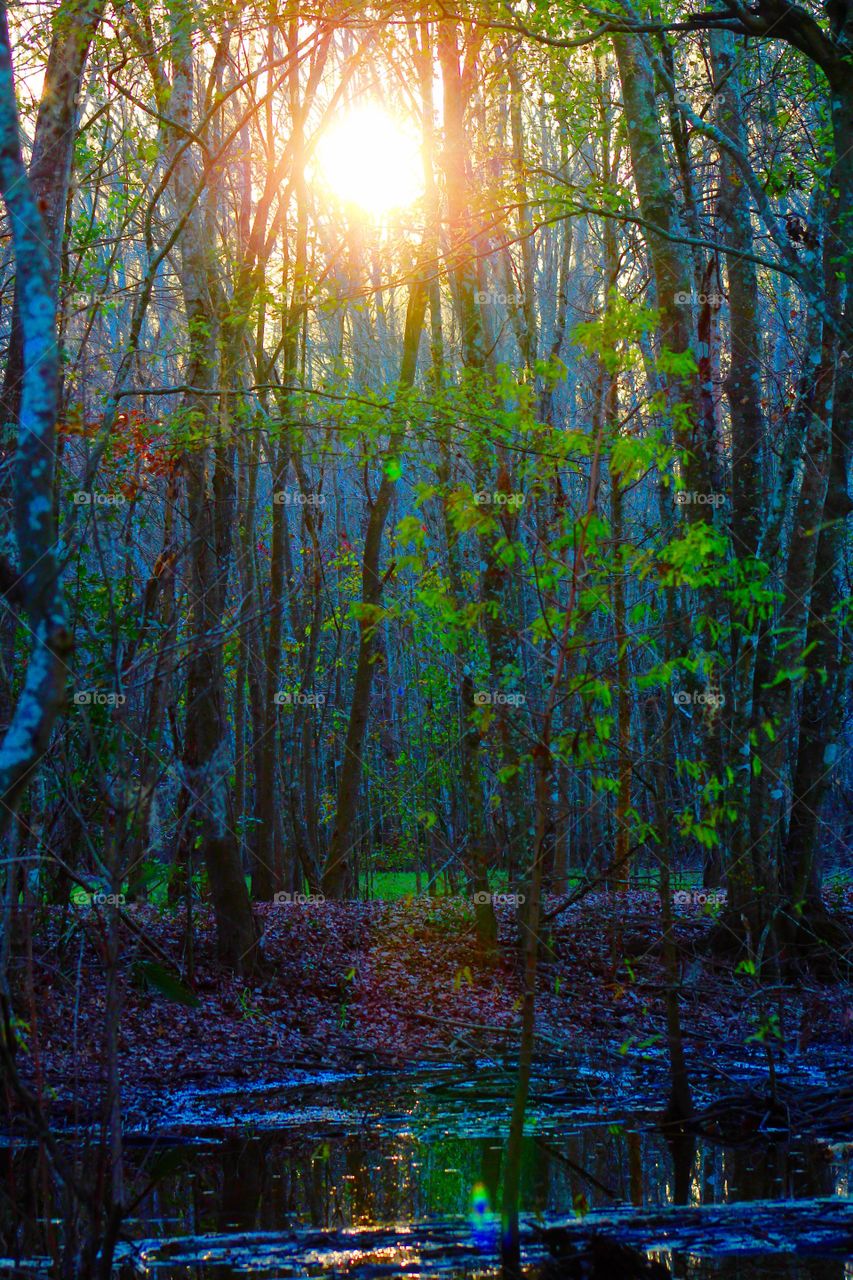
(740, 1118)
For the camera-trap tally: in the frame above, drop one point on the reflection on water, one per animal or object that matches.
(271, 1182)
(425, 1157)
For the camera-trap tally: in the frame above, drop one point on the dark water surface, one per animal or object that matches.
(340, 1175)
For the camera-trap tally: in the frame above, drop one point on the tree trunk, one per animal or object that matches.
(673, 270)
(34, 582)
(210, 507)
(336, 872)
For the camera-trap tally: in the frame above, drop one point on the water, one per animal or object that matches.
(339, 1175)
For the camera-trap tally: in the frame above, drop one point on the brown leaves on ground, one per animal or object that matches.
(348, 983)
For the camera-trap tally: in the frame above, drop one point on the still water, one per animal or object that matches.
(370, 1176)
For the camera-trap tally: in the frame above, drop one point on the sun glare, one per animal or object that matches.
(369, 159)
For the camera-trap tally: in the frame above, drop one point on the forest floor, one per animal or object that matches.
(381, 984)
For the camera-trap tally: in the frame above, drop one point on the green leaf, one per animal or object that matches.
(156, 976)
(463, 975)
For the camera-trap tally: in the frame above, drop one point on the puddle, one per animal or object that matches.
(343, 1175)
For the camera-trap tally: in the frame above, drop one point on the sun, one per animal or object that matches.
(369, 159)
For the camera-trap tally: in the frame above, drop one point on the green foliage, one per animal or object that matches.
(161, 980)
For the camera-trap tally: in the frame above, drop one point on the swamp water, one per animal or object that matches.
(401, 1175)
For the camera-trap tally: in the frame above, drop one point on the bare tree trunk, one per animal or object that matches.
(49, 174)
(475, 859)
(336, 872)
(160, 625)
(542, 766)
(458, 75)
(608, 406)
(680, 1098)
(743, 381)
(34, 582)
(805, 571)
(528, 330)
(624, 766)
(673, 270)
(74, 27)
(210, 504)
(827, 681)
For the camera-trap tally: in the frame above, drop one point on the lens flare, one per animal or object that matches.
(484, 1223)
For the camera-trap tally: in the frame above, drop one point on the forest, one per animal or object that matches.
(425, 625)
